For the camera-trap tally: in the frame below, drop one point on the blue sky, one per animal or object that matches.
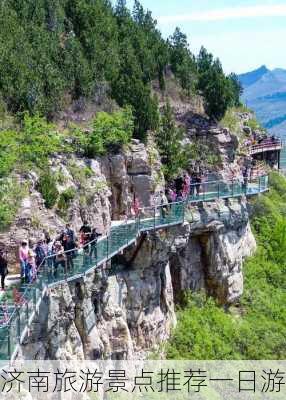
(244, 34)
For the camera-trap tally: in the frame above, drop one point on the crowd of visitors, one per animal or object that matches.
(185, 185)
(57, 252)
(260, 139)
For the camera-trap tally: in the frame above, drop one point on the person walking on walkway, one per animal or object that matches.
(3, 269)
(69, 248)
(163, 207)
(60, 257)
(40, 253)
(186, 185)
(85, 232)
(69, 232)
(31, 268)
(198, 183)
(93, 243)
(23, 257)
(245, 175)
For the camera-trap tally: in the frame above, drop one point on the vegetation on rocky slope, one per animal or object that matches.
(67, 52)
(28, 146)
(57, 52)
(256, 328)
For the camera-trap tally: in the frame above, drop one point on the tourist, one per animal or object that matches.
(171, 195)
(40, 252)
(69, 248)
(163, 206)
(135, 210)
(186, 185)
(67, 231)
(70, 232)
(23, 257)
(179, 182)
(245, 174)
(3, 269)
(60, 257)
(197, 182)
(192, 185)
(50, 252)
(31, 269)
(85, 232)
(93, 243)
(180, 196)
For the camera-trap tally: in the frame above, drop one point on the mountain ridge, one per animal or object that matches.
(265, 93)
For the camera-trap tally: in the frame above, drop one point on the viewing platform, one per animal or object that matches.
(269, 144)
(16, 317)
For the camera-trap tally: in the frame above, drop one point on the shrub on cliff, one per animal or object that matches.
(110, 132)
(11, 194)
(37, 140)
(8, 151)
(175, 154)
(47, 187)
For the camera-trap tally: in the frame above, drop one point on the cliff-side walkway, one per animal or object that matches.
(15, 328)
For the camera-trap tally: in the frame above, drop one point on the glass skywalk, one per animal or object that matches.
(15, 320)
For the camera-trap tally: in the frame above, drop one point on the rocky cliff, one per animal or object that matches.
(127, 307)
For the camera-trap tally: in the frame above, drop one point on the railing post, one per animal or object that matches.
(27, 312)
(218, 188)
(9, 341)
(34, 297)
(18, 326)
(107, 246)
(154, 222)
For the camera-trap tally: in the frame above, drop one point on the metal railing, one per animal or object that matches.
(267, 145)
(76, 263)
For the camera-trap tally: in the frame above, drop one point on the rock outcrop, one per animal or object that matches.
(126, 308)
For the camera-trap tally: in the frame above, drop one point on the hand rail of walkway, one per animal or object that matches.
(270, 144)
(78, 263)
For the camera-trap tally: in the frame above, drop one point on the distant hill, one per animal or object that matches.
(265, 93)
(251, 77)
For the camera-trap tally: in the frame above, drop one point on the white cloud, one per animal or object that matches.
(228, 13)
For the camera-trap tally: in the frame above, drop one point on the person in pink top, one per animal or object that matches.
(186, 185)
(23, 257)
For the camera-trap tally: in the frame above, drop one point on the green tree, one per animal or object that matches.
(216, 88)
(182, 61)
(237, 89)
(169, 138)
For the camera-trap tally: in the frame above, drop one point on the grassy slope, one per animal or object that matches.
(257, 329)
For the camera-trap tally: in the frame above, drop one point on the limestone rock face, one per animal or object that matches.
(99, 190)
(212, 256)
(137, 172)
(125, 309)
(117, 313)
